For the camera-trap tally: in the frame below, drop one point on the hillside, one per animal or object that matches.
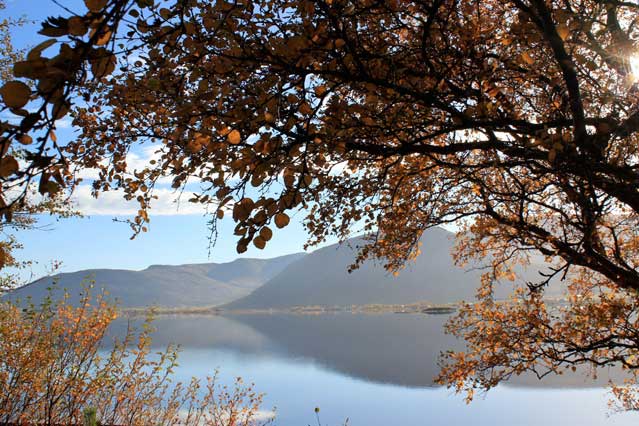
(321, 278)
(183, 286)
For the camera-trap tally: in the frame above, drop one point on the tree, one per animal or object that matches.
(55, 367)
(515, 120)
(8, 54)
(24, 214)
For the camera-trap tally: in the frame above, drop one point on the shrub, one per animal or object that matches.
(56, 367)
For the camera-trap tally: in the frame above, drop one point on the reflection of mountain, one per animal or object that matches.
(388, 348)
(400, 349)
(199, 331)
(204, 284)
(321, 278)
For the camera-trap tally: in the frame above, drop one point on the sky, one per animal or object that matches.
(177, 234)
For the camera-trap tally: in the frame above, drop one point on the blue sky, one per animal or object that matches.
(96, 241)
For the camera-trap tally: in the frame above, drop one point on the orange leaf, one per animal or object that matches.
(15, 94)
(281, 220)
(234, 137)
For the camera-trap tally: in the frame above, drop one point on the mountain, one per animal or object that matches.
(321, 278)
(181, 286)
(318, 278)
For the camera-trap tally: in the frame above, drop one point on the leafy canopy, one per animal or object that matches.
(23, 215)
(516, 120)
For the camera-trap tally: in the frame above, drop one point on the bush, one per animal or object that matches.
(54, 369)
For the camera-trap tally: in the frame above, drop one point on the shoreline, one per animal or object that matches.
(425, 308)
(412, 308)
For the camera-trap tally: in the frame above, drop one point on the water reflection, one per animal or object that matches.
(398, 349)
(374, 369)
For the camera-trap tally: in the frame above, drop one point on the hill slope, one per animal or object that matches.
(184, 286)
(321, 278)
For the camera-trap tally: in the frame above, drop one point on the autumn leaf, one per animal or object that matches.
(8, 166)
(103, 38)
(281, 220)
(32, 68)
(563, 31)
(319, 90)
(25, 140)
(15, 94)
(35, 53)
(103, 63)
(234, 137)
(268, 117)
(527, 58)
(77, 26)
(266, 233)
(259, 242)
(95, 5)
(241, 247)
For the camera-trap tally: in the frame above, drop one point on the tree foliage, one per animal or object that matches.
(56, 363)
(22, 215)
(8, 54)
(516, 120)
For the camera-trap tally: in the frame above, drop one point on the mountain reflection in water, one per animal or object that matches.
(377, 370)
(398, 349)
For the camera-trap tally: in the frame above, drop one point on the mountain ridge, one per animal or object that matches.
(317, 278)
(321, 278)
(187, 285)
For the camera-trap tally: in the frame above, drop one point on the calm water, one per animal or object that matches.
(372, 369)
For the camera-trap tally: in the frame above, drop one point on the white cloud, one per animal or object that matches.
(112, 203)
(135, 161)
(65, 123)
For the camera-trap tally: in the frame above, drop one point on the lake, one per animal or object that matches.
(372, 369)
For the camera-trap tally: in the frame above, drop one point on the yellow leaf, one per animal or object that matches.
(234, 137)
(142, 26)
(15, 94)
(242, 210)
(494, 92)
(51, 31)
